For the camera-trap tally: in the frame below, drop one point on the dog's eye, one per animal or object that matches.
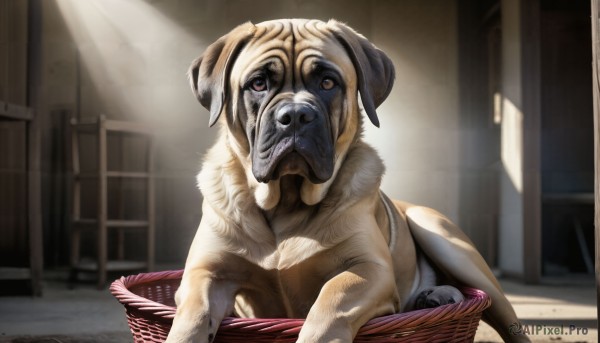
(327, 83)
(259, 84)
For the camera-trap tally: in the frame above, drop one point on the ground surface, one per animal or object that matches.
(86, 315)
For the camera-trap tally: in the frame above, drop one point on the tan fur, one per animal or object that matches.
(329, 252)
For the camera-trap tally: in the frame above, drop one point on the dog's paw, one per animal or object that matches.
(438, 296)
(186, 330)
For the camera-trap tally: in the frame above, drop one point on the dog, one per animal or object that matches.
(294, 223)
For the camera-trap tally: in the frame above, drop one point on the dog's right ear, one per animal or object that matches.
(209, 74)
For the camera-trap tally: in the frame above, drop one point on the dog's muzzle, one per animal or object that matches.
(295, 139)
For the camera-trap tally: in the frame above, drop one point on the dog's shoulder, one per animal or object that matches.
(223, 180)
(359, 176)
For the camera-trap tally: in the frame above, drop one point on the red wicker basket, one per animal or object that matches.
(150, 307)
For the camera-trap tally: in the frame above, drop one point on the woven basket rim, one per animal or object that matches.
(475, 302)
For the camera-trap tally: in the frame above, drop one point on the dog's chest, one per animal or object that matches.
(301, 283)
(298, 236)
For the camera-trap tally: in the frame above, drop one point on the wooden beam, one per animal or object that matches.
(13, 111)
(531, 107)
(595, 15)
(8, 273)
(34, 147)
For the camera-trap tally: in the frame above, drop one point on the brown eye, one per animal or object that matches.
(259, 84)
(327, 84)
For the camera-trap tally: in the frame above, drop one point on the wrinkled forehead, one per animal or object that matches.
(295, 44)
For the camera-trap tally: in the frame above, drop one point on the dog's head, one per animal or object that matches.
(289, 92)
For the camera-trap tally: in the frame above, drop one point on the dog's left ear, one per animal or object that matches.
(209, 74)
(374, 69)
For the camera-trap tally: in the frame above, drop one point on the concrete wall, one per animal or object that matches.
(511, 177)
(133, 57)
(419, 135)
(436, 137)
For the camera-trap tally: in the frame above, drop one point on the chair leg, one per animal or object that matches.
(75, 246)
(102, 203)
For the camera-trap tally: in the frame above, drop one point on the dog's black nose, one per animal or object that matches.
(295, 114)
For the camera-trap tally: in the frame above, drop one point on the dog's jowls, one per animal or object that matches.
(294, 223)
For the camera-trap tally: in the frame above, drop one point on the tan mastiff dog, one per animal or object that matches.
(294, 223)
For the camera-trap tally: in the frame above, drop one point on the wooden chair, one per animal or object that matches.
(101, 128)
(20, 195)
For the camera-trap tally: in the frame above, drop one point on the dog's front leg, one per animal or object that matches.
(203, 300)
(349, 300)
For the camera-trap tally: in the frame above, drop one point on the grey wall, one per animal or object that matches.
(510, 254)
(133, 56)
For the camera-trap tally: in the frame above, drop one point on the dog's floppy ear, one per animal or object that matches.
(374, 69)
(209, 74)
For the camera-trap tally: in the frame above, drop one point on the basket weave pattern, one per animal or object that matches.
(150, 307)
